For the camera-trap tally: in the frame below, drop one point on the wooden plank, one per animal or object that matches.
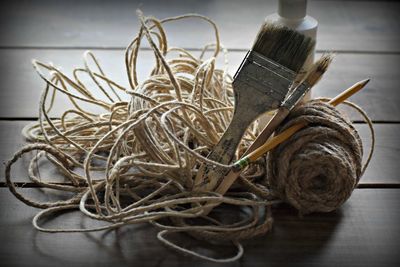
(358, 234)
(379, 99)
(20, 93)
(363, 232)
(21, 86)
(344, 25)
(11, 140)
(383, 169)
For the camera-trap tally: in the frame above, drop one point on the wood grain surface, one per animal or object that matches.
(383, 168)
(21, 87)
(363, 232)
(344, 25)
(366, 36)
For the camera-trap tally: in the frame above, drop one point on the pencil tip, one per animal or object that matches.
(364, 82)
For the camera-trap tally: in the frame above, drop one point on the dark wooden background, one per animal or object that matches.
(365, 36)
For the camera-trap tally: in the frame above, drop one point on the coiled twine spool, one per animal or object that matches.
(317, 169)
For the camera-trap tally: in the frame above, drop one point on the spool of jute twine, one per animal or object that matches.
(317, 169)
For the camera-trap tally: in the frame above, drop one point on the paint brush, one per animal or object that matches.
(260, 85)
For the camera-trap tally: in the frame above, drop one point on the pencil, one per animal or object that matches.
(278, 139)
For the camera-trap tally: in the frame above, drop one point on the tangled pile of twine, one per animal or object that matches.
(145, 152)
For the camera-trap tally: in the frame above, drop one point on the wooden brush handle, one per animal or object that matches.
(231, 177)
(277, 119)
(225, 150)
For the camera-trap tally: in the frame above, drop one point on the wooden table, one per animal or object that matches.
(365, 37)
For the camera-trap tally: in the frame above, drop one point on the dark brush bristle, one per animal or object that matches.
(283, 45)
(324, 62)
(319, 68)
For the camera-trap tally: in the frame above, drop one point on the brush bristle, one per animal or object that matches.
(324, 62)
(319, 68)
(283, 45)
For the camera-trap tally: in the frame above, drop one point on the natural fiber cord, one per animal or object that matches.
(135, 161)
(317, 169)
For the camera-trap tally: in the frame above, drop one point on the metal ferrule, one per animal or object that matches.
(241, 164)
(264, 75)
(296, 95)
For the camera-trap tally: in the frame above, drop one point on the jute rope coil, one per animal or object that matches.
(135, 162)
(317, 169)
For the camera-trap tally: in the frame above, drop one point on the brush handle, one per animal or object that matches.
(225, 150)
(260, 85)
(231, 176)
(277, 119)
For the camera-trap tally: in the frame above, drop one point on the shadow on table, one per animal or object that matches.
(293, 240)
(131, 245)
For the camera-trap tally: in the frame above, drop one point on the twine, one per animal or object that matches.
(135, 162)
(317, 169)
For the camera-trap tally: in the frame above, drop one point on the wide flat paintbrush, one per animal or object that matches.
(313, 76)
(260, 85)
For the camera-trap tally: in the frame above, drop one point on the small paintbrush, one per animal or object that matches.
(260, 85)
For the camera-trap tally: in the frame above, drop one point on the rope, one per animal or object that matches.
(317, 169)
